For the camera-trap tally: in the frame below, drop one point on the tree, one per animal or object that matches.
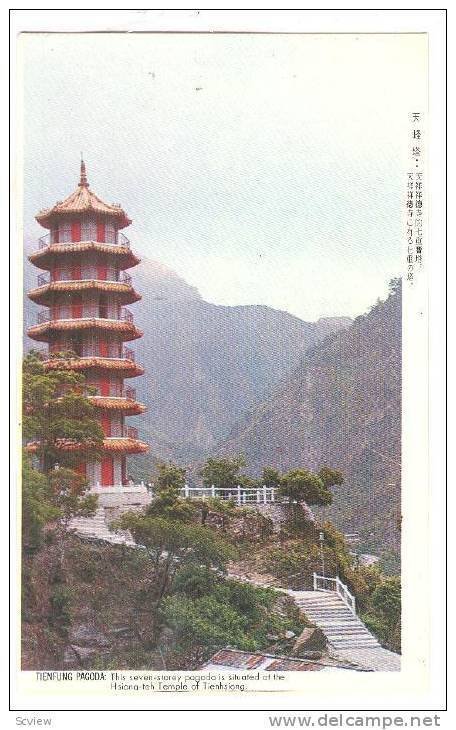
(169, 477)
(61, 428)
(204, 624)
(220, 612)
(68, 494)
(330, 477)
(386, 600)
(172, 544)
(167, 501)
(301, 485)
(384, 612)
(38, 508)
(58, 419)
(222, 473)
(271, 477)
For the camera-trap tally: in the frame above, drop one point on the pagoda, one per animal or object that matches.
(84, 291)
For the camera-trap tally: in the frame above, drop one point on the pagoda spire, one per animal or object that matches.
(83, 180)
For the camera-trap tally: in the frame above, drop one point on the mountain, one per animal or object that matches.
(341, 407)
(205, 363)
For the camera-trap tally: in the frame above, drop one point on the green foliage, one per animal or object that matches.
(223, 613)
(37, 506)
(60, 601)
(386, 600)
(223, 473)
(205, 622)
(68, 494)
(250, 601)
(226, 507)
(330, 477)
(271, 477)
(194, 581)
(379, 601)
(301, 485)
(390, 562)
(55, 410)
(170, 506)
(171, 545)
(170, 477)
(296, 561)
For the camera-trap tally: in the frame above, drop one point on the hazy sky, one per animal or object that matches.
(264, 169)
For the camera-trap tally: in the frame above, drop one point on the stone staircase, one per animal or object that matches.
(96, 528)
(342, 628)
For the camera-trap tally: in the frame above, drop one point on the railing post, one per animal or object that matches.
(213, 491)
(315, 581)
(239, 494)
(258, 496)
(265, 496)
(186, 492)
(272, 494)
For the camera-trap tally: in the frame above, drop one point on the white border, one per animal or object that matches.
(306, 21)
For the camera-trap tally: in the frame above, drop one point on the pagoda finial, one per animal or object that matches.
(83, 181)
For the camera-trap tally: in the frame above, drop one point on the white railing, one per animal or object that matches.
(323, 583)
(87, 311)
(140, 487)
(238, 494)
(119, 240)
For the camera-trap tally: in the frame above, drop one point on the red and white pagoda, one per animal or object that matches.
(85, 287)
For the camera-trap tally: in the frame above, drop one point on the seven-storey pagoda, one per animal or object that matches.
(85, 289)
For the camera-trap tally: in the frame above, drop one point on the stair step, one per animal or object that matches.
(347, 629)
(355, 644)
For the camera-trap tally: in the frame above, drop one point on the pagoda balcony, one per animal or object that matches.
(87, 312)
(114, 392)
(130, 432)
(119, 239)
(126, 354)
(112, 276)
(125, 432)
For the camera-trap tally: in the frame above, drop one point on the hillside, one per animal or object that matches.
(205, 364)
(340, 407)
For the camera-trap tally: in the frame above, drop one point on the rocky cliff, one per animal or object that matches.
(340, 407)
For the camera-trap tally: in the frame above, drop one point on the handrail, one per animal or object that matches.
(241, 495)
(120, 240)
(48, 354)
(124, 277)
(130, 432)
(47, 278)
(325, 583)
(88, 312)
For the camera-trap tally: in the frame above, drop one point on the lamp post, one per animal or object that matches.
(322, 539)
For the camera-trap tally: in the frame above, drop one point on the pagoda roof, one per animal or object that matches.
(129, 368)
(122, 445)
(81, 201)
(41, 332)
(125, 445)
(43, 257)
(43, 293)
(127, 405)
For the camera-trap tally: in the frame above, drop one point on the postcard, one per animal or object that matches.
(223, 242)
